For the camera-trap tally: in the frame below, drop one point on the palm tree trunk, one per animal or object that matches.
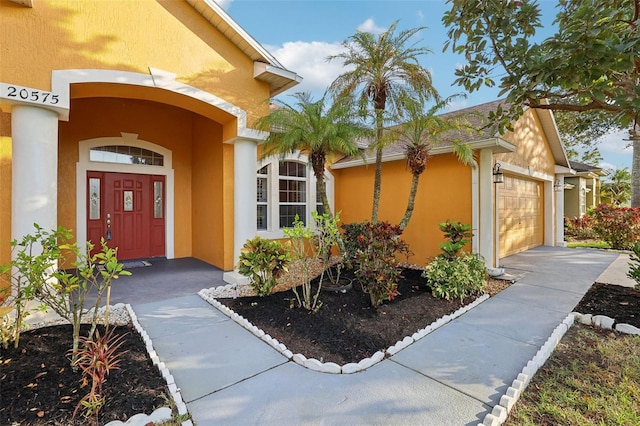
(318, 161)
(323, 195)
(411, 202)
(635, 171)
(377, 182)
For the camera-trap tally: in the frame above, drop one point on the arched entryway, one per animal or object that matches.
(208, 153)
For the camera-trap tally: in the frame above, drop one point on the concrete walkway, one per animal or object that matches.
(453, 376)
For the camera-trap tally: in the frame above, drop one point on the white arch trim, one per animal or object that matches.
(84, 165)
(61, 81)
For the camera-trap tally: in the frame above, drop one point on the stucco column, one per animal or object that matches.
(245, 153)
(486, 203)
(34, 185)
(559, 219)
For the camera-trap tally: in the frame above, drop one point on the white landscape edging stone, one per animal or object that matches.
(507, 401)
(209, 295)
(163, 413)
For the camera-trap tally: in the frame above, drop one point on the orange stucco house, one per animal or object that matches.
(525, 210)
(142, 133)
(139, 131)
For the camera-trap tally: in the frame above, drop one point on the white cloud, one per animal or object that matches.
(420, 15)
(369, 26)
(607, 166)
(309, 60)
(224, 3)
(615, 143)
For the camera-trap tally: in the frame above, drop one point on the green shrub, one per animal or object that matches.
(456, 278)
(458, 235)
(619, 226)
(351, 242)
(34, 273)
(263, 261)
(634, 264)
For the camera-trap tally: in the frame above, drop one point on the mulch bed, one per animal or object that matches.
(345, 329)
(38, 386)
(617, 302)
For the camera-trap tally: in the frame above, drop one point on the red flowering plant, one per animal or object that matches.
(580, 228)
(618, 226)
(375, 248)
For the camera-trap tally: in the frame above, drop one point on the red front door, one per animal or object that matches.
(128, 211)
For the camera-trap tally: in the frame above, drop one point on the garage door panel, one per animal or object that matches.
(520, 209)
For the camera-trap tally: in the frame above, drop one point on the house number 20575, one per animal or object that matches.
(26, 94)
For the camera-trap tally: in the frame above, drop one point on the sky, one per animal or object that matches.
(301, 34)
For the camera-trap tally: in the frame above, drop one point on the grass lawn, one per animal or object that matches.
(589, 244)
(592, 378)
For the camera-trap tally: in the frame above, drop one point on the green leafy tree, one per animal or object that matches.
(382, 72)
(580, 133)
(424, 131)
(616, 189)
(590, 64)
(320, 128)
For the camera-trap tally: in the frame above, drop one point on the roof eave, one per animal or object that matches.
(218, 17)
(497, 145)
(279, 79)
(550, 129)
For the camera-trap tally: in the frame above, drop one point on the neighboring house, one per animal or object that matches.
(582, 189)
(132, 119)
(523, 212)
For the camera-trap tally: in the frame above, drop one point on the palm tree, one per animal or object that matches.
(383, 71)
(313, 126)
(617, 188)
(423, 131)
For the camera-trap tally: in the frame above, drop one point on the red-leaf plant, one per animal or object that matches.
(96, 358)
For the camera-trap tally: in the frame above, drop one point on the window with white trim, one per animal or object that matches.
(284, 189)
(263, 198)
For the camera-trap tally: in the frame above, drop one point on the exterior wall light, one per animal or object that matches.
(557, 186)
(498, 176)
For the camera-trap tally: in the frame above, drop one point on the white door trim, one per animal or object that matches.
(85, 164)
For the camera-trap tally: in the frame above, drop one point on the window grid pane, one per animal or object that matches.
(292, 191)
(293, 169)
(262, 190)
(262, 216)
(124, 154)
(289, 212)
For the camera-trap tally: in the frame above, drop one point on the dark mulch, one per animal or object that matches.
(614, 301)
(346, 328)
(38, 386)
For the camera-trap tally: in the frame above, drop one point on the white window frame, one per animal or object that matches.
(273, 230)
